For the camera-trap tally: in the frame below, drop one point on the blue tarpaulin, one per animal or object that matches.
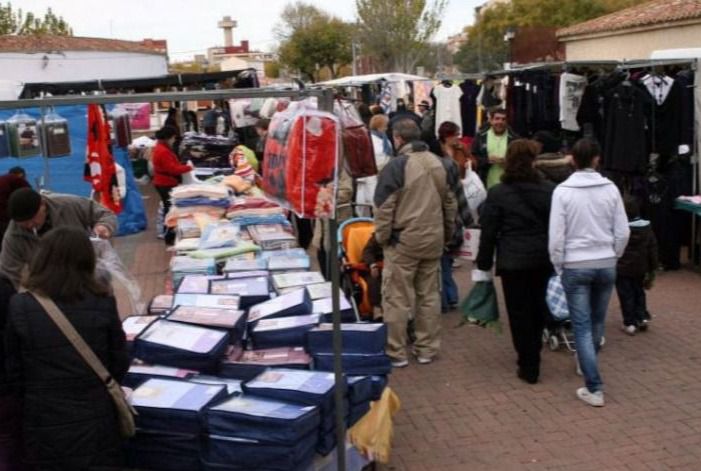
(65, 174)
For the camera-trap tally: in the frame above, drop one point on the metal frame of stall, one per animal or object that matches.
(325, 97)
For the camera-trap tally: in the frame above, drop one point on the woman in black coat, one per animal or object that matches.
(69, 420)
(514, 221)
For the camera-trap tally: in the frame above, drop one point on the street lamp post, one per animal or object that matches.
(479, 38)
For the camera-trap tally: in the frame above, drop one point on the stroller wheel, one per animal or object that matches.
(546, 335)
(553, 343)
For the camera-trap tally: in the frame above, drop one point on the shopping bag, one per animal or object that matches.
(358, 151)
(372, 435)
(556, 299)
(470, 244)
(480, 306)
(474, 190)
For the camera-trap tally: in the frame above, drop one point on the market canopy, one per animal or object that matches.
(357, 80)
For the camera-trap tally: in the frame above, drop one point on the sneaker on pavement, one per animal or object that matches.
(400, 363)
(644, 324)
(629, 329)
(423, 360)
(594, 399)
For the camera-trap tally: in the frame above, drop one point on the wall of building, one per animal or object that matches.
(635, 45)
(71, 66)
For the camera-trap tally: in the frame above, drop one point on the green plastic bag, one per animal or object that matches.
(480, 306)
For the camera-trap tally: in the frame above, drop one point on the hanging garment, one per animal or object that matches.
(685, 79)
(468, 107)
(447, 104)
(100, 169)
(664, 111)
(626, 124)
(571, 91)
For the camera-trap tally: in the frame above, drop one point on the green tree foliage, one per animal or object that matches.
(312, 39)
(398, 33)
(486, 36)
(19, 23)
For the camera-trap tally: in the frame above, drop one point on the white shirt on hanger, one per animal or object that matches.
(571, 90)
(659, 86)
(447, 105)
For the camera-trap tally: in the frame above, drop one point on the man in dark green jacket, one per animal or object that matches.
(33, 215)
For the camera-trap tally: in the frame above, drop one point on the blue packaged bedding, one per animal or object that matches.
(245, 265)
(359, 389)
(233, 386)
(282, 332)
(247, 274)
(379, 383)
(231, 320)
(291, 304)
(173, 405)
(314, 388)
(164, 451)
(220, 301)
(238, 454)
(286, 263)
(324, 307)
(357, 412)
(250, 291)
(134, 325)
(367, 338)
(139, 372)
(196, 284)
(251, 363)
(265, 420)
(355, 363)
(301, 279)
(182, 345)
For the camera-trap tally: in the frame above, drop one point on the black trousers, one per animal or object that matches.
(524, 293)
(632, 297)
(164, 193)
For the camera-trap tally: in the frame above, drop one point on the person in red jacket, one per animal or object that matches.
(167, 169)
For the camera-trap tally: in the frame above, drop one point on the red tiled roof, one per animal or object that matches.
(646, 14)
(47, 43)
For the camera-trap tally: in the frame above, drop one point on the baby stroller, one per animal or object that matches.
(353, 236)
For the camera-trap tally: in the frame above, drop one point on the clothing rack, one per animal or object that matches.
(325, 97)
(625, 65)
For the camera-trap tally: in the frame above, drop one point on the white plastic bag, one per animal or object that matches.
(475, 192)
(470, 244)
(111, 269)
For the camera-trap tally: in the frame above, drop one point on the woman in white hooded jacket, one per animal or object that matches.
(588, 234)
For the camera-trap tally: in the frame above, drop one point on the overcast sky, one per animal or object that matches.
(190, 26)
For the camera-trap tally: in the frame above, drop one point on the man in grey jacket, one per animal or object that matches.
(588, 234)
(33, 215)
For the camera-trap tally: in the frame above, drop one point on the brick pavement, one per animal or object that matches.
(468, 411)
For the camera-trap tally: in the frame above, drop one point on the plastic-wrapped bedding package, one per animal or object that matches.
(251, 363)
(324, 307)
(313, 388)
(181, 345)
(221, 301)
(250, 291)
(355, 363)
(300, 163)
(196, 284)
(134, 325)
(236, 454)
(291, 304)
(110, 268)
(257, 418)
(140, 372)
(246, 274)
(294, 252)
(173, 405)
(232, 320)
(289, 263)
(291, 280)
(357, 411)
(160, 304)
(360, 389)
(233, 386)
(367, 338)
(283, 331)
(245, 265)
(379, 383)
(220, 234)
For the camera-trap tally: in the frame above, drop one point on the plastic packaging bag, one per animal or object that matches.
(220, 235)
(372, 435)
(480, 306)
(111, 269)
(556, 299)
(475, 191)
(358, 151)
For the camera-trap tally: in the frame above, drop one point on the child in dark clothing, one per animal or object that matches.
(636, 270)
(372, 256)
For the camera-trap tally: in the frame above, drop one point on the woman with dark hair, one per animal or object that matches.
(69, 419)
(449, 139)
(514, 222)
(167, 170)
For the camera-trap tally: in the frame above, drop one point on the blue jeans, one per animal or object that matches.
(449, 290)
(588, 293)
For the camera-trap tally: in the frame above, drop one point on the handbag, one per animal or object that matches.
(125, 412)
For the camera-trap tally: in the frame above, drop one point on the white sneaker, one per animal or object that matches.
(578, 369)
(424, 360)
(594, 399)
(629, 329)
(400, 363)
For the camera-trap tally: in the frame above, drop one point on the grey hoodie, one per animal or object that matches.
(587, 221)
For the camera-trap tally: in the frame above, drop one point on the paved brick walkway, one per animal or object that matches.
(468, 411)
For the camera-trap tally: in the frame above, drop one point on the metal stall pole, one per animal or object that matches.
(326, 104)
(44, 147)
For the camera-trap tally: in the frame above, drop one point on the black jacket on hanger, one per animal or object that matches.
(625, 148)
